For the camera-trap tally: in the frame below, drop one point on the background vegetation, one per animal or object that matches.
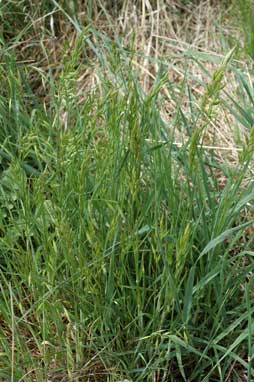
(126, 191)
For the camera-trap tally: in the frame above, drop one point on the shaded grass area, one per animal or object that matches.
(123, 256)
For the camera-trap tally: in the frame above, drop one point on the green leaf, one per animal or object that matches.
(222, 237)
(188, 295)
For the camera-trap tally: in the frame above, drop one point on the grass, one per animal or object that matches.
(126, 222)
(245, 14)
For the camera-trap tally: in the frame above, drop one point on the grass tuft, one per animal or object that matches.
(126, 191)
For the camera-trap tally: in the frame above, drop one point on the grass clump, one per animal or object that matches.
(122, 255)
